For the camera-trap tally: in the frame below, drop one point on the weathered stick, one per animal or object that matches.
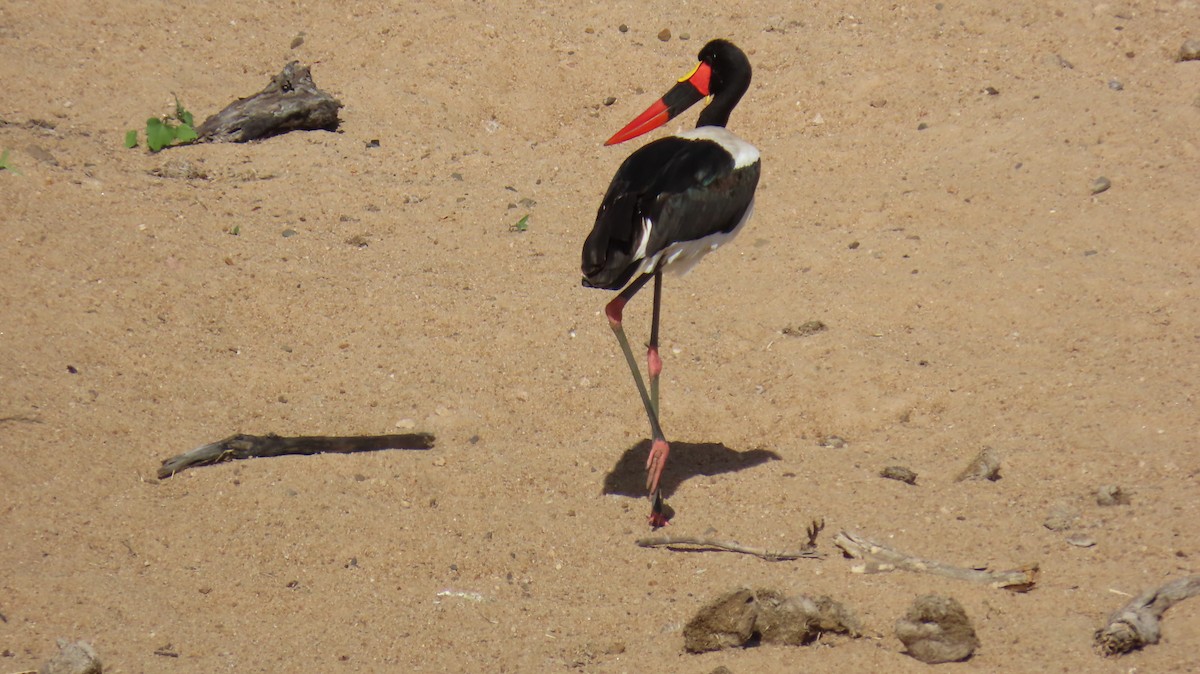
(1135, 624)
(290, 102)
(700, 543)
(809, 550)
(877, 558)
(250, 446)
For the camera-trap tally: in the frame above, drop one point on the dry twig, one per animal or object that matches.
(877, 558)
(700, 544)
(250, 446)
(1135, 624)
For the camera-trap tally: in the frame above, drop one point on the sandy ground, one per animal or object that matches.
(976, 294)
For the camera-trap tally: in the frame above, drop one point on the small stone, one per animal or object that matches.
(1190, 50)
(1080, 541)
(1116, 85)
(726, 621)
(985, 466)
(805, 329)
(439, 462)
(833, 442)
(1111, 495)
(899, 473)
(289, 233)
(1061, 518)
(73, 658)
(298, 40)
(623, 28)
(406, 424)
(610, 100)
(922, 126)
(789, 621)
(1101, 184)
(664, 34)
(936, 629)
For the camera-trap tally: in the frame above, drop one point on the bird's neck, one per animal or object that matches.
(717, 112)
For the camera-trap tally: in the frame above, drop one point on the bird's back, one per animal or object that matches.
(671, 202)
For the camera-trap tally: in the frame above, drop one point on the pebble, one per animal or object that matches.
(899, 473)
(1111, 495)
(664, 34)
(1116, 85)
(936, 629)
(1101, 184)
(406, 424)
(1080, 541)
(1190, 50)
(833, 442)
(805, 329)
(1060, 518)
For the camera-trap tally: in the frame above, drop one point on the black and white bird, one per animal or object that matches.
(671, 202)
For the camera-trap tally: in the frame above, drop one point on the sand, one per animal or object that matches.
(927, 194)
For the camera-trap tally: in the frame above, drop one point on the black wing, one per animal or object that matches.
(687, 188)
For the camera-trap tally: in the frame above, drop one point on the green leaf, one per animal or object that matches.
(131, 138)
(158, 135)
(183, 115)
(5, 166)
(521, 226)
(185, 133)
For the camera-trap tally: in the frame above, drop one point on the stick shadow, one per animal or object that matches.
(687, 460)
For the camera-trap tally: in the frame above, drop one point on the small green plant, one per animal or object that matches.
(5, 166)
(521, 226)
(162, 132)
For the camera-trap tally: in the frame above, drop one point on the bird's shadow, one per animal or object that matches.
(687, 459)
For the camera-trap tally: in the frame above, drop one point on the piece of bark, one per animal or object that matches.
(251, 446)
(936, 629)
(291, 102)
(1135, 624)
(877, 558)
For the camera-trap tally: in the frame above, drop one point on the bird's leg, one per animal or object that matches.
(614, 312)
(653, 361)
(658, 447)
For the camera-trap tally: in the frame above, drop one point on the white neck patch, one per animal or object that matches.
(744, 154)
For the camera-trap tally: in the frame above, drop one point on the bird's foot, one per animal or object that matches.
(658, 512)
(659, 450)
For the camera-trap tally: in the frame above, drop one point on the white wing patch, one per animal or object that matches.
(679, 258)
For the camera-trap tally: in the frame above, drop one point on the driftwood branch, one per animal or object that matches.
(700, 544)
(1135, 624)
(251, 446)
(291, 102)
(877, 558)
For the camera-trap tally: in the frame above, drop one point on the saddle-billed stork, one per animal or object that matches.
(670, 203)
